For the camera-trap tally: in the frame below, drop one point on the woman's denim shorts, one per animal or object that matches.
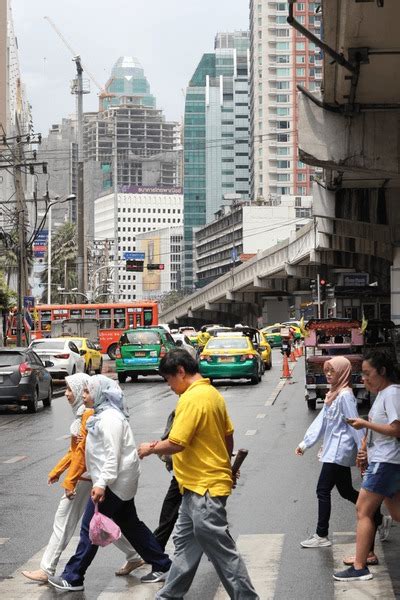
(382, 478)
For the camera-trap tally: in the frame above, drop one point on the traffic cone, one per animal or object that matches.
(298, 352)
(292, 356)
(286, 374)
(300, 349)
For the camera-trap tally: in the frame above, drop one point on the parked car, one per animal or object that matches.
(63, 353)
(140, 351)
(231, 356)
(92, 356)
(24, 379)
(182, 341)
(187, 330)
(265, 351)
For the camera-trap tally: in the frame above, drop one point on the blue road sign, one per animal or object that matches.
(133, 255)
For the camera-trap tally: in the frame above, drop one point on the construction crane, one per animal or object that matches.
(74, 54)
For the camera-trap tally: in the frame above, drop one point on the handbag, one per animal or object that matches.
(102, 529)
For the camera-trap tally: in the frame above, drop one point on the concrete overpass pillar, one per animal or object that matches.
(395, 286)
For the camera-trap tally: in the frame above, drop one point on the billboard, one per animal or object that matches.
(152, 278)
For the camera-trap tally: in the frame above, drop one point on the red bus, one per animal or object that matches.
(113, 319)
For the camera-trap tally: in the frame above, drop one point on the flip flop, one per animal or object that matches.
(39, 576)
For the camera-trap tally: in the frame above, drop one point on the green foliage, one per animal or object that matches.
(172, 298)
(8, 297)
(63, 263)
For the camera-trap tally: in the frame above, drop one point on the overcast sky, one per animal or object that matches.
(167, 36)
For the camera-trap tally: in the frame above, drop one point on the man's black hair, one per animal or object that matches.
(176, 358)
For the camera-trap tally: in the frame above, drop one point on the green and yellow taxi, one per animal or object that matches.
(231, 356)
(273, 333)
(264, 349)
(91, 354)
(140, 352)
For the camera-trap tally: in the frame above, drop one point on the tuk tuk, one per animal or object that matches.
(325, 338)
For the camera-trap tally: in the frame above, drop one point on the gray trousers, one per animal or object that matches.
(202, 527)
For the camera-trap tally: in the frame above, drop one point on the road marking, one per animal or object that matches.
(158, 431)
(13, 460)
(262, 555)
(251, 432)
(378, 587)
(3, 541)
(261, 416)
(17, 587)
(275, 393)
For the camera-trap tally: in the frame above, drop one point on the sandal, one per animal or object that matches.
(130, 566)
(371, 560)
(39, 576)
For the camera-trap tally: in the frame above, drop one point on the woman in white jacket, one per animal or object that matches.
(339, 447)
(113, 464)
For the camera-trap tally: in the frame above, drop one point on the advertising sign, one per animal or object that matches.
(152, 278)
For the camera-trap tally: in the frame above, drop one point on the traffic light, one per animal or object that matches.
(322, 288)
(135, 266)
(155, 267)
(313, 288)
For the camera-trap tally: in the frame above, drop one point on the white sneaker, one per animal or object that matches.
(315, 541)
(384, 529)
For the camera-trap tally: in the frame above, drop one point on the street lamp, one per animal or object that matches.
(49, 211)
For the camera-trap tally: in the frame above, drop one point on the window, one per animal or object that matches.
(283, 177)
(282, 137)
(283, 164)
(282, 124)
(282, 151)
(300, 46)
(282, 98)
(282, 32)
(282, 112)
(301, 177)
(300, 59)
(300, 72)
(282, 45)
(282, 58)
(281, 20)
(282, 85)
(283, 72)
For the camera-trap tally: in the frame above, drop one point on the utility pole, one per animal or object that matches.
(115, 186)
(13, 156)
(78, 90)
(318, 295)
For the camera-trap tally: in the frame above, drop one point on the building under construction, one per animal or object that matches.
(147, 145)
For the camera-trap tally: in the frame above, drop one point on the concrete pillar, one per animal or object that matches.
(297, 307)
(395, 286)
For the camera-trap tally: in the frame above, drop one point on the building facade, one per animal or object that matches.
(162, 247)
(280, 60)
(139, 211)
(245, 229)
(216, 135)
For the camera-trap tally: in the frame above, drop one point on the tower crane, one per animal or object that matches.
(75, 55)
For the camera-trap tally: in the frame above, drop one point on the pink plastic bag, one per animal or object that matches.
(102, 530)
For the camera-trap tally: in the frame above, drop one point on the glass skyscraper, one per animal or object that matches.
(216, 137)
(127, 85)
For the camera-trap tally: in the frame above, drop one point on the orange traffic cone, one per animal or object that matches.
(292, 356)
(300, 350)
(286, 374)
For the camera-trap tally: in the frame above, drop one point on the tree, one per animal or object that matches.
(172, 298)
(8, 297)
(63, 262)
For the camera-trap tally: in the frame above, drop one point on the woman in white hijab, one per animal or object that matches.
(113, 464)
(77, 486)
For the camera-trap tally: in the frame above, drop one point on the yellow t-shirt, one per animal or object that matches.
(200, 425)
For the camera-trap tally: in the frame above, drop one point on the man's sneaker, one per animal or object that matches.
(63, 584)
(384, 529)
(315, 541)
(352, 574)
(154, 576)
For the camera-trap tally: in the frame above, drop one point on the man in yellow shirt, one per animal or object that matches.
(201, 443)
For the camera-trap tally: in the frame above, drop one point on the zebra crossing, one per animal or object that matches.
(262, 554)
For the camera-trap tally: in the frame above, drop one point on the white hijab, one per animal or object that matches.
(77, 382)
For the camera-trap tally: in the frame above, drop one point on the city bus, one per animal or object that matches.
(113, 319)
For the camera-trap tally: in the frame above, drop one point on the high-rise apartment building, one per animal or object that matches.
(216, 135)
(280, 59)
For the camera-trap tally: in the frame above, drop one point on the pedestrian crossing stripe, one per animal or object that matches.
(378, 587)
(11, 460)
(262, 555)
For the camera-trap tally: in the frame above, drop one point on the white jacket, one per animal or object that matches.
(111, 456)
